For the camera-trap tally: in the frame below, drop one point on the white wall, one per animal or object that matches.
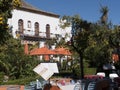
(43, 20)
(33, 17)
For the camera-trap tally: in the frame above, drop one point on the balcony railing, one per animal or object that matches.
(30, 35)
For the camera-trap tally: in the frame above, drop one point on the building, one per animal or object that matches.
(33, 25)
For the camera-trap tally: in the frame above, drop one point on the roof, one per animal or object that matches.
(42, 51)
(62, 51)
(28, 7)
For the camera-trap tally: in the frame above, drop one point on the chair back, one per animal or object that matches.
(101, 74)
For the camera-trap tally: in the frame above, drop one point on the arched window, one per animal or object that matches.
(36, 29)
(20, 26)
(29, 24)
(48, 31)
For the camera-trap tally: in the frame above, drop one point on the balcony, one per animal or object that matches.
(30, 35)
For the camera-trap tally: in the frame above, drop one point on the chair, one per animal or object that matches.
(113, 75)
(78, 87)
(101, 74)
(117, 80)
(91, 85)
(102, 84)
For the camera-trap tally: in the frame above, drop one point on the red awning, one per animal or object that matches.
(62, 51)
(42, 51)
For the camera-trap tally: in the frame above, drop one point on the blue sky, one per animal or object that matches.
(87, 9)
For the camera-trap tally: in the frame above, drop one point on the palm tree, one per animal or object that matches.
(104, 17)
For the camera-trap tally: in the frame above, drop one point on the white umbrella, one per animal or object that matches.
(46, 70)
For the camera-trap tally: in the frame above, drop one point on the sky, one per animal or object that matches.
(87, 9)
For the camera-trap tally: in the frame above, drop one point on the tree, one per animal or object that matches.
(80, 36)
(94, 42)
(103, 43)
(91, 42)
(99, 51)
(104, 10)
(13, 62)
(6, 7)
(114, 41)
(65, 22)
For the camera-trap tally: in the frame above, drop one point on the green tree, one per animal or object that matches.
(104, 10)
(14, 63)
(80, 36)
(6, 6)
(94, 42)
(91, 42)
(99, 51)
(100, 47)
(65, 22)
(114, 41)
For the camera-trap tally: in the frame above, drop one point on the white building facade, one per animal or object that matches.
(32, 25)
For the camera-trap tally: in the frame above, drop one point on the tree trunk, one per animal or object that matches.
(81, 65)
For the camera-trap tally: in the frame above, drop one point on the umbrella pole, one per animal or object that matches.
(49, 81)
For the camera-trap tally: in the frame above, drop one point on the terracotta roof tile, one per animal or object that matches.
(62, 51)
(42, 51)
(29, 7)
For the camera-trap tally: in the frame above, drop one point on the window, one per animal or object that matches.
(29, 24)
(36, 29)
(20, 26)
(48, 31)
